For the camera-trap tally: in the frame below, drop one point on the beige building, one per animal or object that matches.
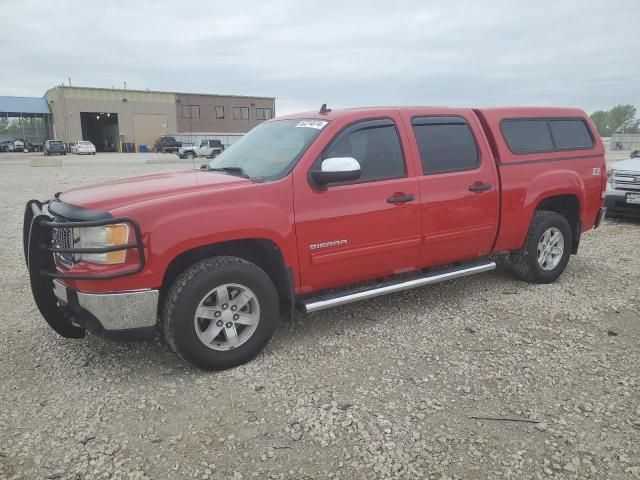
(115, 119)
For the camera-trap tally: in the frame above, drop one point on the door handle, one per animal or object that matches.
(401, 198)
(479, 187)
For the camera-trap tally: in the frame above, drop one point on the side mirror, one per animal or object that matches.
(337, 169)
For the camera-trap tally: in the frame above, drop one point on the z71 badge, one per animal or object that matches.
(335, 243)
(595, 172)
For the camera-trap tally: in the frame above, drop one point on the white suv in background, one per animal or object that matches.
(622, 198)
(83, 147)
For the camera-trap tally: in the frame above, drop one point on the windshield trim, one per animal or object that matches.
(285, 172)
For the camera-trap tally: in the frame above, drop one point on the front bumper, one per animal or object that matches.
(122, 315)
(617, 206)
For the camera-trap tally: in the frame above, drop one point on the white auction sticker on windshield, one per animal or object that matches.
(318, 124)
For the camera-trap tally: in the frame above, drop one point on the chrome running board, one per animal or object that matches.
(335, 299)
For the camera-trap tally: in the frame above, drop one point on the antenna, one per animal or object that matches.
(324, 110)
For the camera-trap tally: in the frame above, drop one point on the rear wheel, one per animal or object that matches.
(189, 155)
(215, 153)
(220, 313)
(546, 250)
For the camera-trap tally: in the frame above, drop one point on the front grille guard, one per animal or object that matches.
(39, 252)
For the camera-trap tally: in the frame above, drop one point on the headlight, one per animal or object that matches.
(101, 237)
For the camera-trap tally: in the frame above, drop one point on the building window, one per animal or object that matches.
(191, 111)
(264, 113)
(219, 112)
(241, 113)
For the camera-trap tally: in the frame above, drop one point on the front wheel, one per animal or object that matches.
(220, 313)
(546, 250)
(189, 155)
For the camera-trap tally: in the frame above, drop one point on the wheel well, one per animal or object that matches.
(569, 207)
(259, 251)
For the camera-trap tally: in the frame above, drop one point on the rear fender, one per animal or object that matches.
(546, 185)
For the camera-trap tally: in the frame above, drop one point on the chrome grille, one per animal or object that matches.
(63, 238)
(626, 180)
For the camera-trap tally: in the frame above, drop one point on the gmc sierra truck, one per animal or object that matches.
(312, 211)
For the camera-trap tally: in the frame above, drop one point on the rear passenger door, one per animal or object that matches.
(459, 190)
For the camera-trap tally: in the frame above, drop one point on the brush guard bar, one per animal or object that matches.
(39, 254)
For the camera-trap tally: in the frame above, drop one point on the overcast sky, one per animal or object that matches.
(583, 53)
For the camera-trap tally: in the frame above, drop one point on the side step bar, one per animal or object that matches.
(335, 299)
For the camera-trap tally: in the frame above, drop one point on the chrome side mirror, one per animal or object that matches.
(334, 170)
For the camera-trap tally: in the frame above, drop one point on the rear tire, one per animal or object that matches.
(197, 291)
(189, 156)
(546, 249)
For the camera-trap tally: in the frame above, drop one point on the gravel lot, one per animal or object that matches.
(378, 389)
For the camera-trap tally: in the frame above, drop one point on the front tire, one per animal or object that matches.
(189, 156)
(220, 313)
(546, 250)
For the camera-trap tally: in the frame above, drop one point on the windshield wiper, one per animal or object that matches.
(238, 171)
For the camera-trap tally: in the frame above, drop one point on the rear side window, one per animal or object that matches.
(376, 146)
(545, 135)
(527, 136)
(446, 144)
(570, 134)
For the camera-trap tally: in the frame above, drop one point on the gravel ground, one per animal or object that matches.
(378, 389)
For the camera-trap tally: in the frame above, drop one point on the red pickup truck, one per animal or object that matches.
(313, 211)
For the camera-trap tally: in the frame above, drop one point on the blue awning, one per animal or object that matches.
(26, 105)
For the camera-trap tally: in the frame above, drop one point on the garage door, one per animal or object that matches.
(147, 128)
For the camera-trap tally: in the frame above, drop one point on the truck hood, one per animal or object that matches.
(630, 164)
(109, 196)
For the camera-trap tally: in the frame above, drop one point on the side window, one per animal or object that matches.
(527, 136)
(446, 144)
(570, 134)
(376, 146)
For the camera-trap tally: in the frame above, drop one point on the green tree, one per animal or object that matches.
(623, 116)
(619, 116)
(601, 120)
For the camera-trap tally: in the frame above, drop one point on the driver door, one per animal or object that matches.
(361, 229)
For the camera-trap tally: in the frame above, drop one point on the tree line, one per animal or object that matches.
(620, 118)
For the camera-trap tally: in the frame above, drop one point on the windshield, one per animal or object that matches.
(269, 150)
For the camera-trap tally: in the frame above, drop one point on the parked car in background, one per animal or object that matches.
(12, 146)
(207, 148)
(52, 147)
(83, 147)
(305, 208)
(622, 197)
(166, 144)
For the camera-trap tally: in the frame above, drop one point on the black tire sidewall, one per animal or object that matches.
(556, 220)
(180, 314)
